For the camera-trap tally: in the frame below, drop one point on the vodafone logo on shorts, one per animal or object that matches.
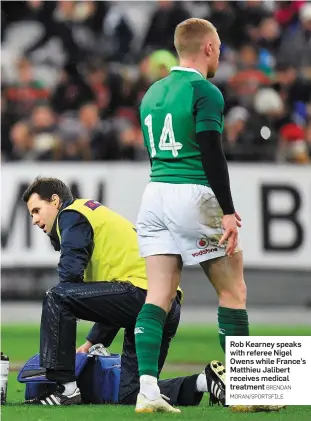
(202, 243)
(205, 251)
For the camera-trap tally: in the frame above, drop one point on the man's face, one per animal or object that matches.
(214, 53)
(89, 115)
(42, 117)
(43, 213)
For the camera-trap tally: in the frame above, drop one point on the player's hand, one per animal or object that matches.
(238, 220)
(84, 348)
(230, 224)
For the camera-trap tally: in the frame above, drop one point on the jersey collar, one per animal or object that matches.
(53, 234)
(186, 69)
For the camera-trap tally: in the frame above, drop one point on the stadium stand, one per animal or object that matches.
(73, 74)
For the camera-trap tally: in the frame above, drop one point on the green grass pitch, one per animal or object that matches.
(190, 350)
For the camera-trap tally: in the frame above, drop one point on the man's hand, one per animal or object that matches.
(238, 220)
(230, 224)
(84, 348)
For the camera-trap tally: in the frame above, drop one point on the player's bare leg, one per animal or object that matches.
(226, 275)
(163, 273)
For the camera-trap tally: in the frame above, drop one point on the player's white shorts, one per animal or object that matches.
(180, 219)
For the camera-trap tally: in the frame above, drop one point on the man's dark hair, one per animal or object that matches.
(45, 187)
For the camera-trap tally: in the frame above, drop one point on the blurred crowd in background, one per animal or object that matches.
(74, 72)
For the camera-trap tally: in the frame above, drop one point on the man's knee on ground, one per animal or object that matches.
(234, 295)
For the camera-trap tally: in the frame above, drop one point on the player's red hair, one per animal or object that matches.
(190, 34)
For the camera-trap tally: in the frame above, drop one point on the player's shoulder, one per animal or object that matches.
(149, 92)
(156, 90)
(155, 86)
(205, 87)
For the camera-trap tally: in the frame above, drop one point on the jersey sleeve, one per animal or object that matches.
(208, 107)
(76, 246)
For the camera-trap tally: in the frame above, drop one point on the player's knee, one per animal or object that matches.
(234, 296)
(163, 300)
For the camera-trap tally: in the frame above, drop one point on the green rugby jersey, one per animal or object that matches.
(172, 111)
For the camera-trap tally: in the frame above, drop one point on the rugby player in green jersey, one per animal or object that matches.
(187, 215)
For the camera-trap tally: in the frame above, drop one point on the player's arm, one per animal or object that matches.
(208, 111)
(99, 334)
(216, 168)
(102, 334)
(77, 245)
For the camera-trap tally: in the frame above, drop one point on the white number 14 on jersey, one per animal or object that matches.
(167, 140)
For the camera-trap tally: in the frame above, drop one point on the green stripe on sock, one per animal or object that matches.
(148, 338)
(231, 322)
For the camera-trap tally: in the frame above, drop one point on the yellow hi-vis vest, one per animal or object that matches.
(115, 255)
